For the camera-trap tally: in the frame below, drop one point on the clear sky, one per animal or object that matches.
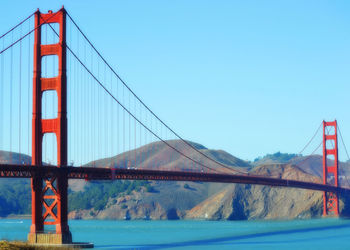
(248, 77)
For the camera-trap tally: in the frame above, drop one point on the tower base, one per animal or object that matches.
(49, 238)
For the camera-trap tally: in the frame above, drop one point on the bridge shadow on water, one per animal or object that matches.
(235, 239)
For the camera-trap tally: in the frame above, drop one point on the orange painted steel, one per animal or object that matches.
(50, 192)
(330, 173)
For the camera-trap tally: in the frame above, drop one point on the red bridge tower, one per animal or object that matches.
(330, 173)
(50, 192)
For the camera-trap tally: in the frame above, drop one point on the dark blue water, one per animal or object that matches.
(107, 234)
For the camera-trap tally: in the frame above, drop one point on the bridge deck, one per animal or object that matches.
(91, 173)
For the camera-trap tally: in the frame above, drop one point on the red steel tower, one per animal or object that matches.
(49, 193)
(330, 173)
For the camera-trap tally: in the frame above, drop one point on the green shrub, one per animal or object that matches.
(97, 193)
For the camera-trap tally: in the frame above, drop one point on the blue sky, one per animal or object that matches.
(248, 77)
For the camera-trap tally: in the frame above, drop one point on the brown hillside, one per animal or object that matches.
(160, 156)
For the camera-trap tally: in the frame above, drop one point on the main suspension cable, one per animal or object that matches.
(308, 157)
(127, 111)
(16, 26)
(312, 138)
(27, 34)
(346, 151)
(341, 137)
(176, 134)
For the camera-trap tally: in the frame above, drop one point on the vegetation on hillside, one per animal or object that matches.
(96, 194)
(15, 195)
(277, 157)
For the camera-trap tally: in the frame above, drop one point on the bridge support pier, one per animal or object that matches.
(50, 193)
(47, 238)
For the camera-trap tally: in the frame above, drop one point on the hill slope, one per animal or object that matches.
(176, 200)
(263, 202)
(159, 156)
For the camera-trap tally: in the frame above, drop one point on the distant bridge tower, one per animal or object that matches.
(330, 173)
(49, 193)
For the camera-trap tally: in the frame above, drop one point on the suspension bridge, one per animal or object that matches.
(65, 106)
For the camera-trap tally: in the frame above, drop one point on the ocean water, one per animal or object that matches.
(109, 234)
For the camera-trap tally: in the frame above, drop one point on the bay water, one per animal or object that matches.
(326, 233)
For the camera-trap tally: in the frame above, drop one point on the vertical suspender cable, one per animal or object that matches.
(146, 140)
(69, 93)
(28, 89)
(346, 151)
(135, 132)
(341, 137)
(99, 112)
(155, 142)
(152, 143)
(118, 125)
(79, 106)
(105, 112)
(129, 153)
(172, 152)
(83, 106)
(72, 94)
(124, 131)
(74, 109)
(140, 135)
(53, 105)
(96, 132)
(92, 122)
(166, 138)
(75, 105)
(112, 119)
(2, 113)
(44, 105)
(11, 82)
(20, 99)
(77, 109)
(87, 111)
(82, 109)
(82, 112)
